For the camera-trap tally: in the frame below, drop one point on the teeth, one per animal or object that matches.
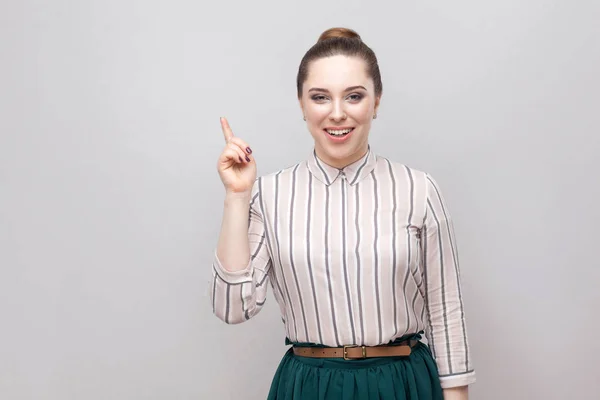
(338, 132)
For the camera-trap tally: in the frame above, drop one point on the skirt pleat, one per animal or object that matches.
(386, 378)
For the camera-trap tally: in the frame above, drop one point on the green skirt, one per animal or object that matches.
(386, 378)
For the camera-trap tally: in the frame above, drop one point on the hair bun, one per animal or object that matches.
(339, 33)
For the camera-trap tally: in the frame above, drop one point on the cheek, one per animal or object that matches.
(317, 112)
(362, 113)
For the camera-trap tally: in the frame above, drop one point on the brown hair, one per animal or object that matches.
(340, 41)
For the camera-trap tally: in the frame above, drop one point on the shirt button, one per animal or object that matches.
(247, 274)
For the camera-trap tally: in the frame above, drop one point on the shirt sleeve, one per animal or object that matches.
(238, 296)
(446, 331)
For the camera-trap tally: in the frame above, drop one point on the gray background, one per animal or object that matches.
(110, 203)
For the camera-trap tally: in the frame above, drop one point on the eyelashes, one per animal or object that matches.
(354, 97)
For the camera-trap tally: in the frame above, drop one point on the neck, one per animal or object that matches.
(341, 163)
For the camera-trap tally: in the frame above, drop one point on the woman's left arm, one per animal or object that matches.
(446, 328)
(457, 393)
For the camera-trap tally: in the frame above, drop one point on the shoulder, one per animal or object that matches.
(385, 165)
(268, 182)
(282, 174)
(422, 181)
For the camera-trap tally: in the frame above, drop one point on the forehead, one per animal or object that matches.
(337, 73)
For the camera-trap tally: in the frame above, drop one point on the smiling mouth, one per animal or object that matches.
(339, 132)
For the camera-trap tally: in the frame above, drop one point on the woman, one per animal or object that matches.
(359, 250)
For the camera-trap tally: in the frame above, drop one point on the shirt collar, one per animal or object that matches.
(354, 172)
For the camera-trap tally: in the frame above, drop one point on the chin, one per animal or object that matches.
(340, 152)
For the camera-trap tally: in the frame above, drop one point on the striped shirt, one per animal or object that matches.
(361, 255)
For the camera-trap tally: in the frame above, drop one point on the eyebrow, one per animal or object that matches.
(327, 91)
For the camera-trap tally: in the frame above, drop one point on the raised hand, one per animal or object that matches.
(236, 164)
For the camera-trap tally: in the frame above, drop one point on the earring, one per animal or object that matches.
(305, 118)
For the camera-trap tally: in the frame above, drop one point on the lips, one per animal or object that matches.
(338, 135)
(339, 131)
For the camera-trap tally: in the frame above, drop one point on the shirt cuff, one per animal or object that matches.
(456, 380)
(232, 277)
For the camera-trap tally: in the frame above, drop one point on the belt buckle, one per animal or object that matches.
(351, 346)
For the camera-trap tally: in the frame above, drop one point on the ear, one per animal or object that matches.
(377, 102)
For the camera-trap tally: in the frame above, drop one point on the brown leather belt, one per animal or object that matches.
(355, 352)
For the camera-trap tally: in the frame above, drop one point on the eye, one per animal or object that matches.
(355, 97)
(319, 97)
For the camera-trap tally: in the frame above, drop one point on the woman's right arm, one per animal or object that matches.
(233, 248)
(241, 261)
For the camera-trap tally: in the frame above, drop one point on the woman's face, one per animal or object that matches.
(338, 101)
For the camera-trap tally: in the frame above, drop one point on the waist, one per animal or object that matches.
(400, 347)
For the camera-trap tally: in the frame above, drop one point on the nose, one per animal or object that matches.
(338, 113)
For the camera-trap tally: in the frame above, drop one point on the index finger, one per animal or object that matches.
(227, 132)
